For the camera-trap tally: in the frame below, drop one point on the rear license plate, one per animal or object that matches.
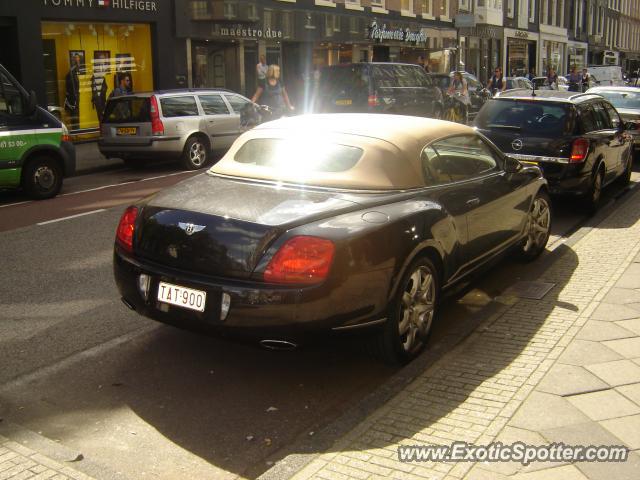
(344, 102)
(182, 296)
(127, 131)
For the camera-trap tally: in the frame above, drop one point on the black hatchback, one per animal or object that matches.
(395, 88)
(578, 140)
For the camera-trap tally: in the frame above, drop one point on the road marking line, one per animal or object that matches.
(17, 203)
(72, 216)
(123, 183)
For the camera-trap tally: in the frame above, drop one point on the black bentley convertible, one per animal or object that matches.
(330, 223)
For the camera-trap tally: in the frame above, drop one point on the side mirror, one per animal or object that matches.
(511, 165)
(32, 103)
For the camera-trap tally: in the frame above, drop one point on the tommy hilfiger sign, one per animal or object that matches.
(402, 35)
(139, 5)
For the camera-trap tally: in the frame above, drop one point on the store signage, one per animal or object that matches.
(464, 20)
(244, 32)
(402, 35)
(137, 5)
(481, 31)
(522, 34)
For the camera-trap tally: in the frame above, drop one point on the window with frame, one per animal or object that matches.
(406, 6)
(11, 100)
(532, 11)
(237, 102)
(444, 8)
(213, 105)
(230, 10)
(464, 5)
(179, 107)
(510, 8)
(614, 118)
(456, 159)
(603, 122)
(378, 3)
(427, 7)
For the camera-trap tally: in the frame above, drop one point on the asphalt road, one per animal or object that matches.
(151, 401)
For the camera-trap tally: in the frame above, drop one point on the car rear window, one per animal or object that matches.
(387, 76)
(127, 110)
(291, 154)
(179, 107)
(525, 116)
(344, 81)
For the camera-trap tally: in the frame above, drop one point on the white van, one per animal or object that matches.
(606, 75)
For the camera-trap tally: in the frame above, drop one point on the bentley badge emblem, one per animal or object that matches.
(191, 228)
(516, 144)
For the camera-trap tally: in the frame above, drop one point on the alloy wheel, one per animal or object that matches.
(539, 223)
(417, 307)
(197, 154)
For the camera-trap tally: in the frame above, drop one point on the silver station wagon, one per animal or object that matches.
(187, 125)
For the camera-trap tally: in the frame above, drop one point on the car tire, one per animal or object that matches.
(538, 228)
(625, 178)
(594, 195)
(411, 316)
(196, 154)
(42, 177)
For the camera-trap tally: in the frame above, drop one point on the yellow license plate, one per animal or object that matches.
(344, 102)
(127, 131)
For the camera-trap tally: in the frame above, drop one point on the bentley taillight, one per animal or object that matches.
(126, 228)
(301, 260)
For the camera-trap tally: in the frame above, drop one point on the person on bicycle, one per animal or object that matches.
(497, 82)
(575, 80)
(273, 94)
(458, 90)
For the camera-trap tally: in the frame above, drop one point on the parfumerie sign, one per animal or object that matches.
(139, 5)
(402, 35)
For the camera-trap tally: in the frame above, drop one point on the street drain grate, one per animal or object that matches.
(531, 290)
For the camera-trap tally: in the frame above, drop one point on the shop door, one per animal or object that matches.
(250, 75)
(216, 69)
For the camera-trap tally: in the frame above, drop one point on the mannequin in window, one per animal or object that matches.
(72, 92)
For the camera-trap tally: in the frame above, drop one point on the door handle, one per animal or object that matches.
(473, 201)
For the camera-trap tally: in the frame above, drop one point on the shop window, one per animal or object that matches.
(88, 61)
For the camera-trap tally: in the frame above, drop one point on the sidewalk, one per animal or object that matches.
(565, 368)
(18, 462)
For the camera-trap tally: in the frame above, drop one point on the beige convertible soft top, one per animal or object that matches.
(391, 146)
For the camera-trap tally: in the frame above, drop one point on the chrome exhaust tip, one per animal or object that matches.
(278, 344)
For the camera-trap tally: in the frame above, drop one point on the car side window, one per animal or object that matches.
(179, 106)
(613, 116)
(587, 119)
(603, 121)
(457, 158)
(237, 102)
(11, 101)
(213, 105)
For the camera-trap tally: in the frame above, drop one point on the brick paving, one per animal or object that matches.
(564, 368)
(18, 462)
